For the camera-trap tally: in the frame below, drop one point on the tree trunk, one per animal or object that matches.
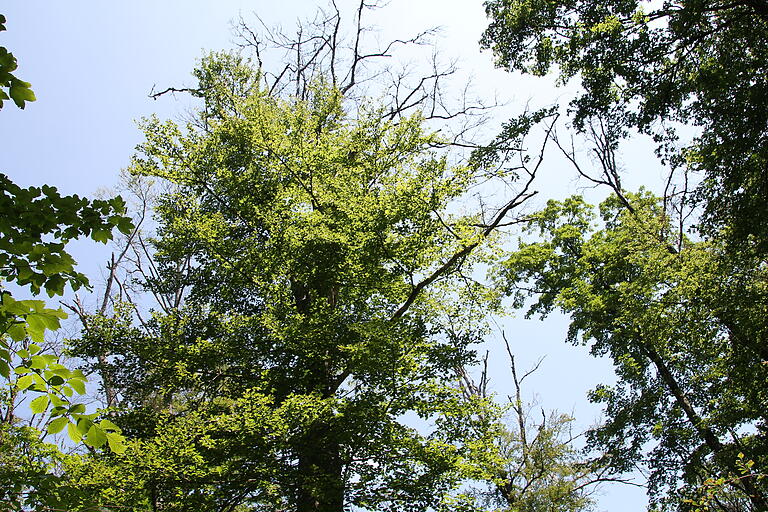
(745, 484)
(320, 485)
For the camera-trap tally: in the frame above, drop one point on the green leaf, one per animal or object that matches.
(77, 409)
(5, 370)
(35, 322)
(25, 381)
(108, 425)
(51, 320)
(17, 332)
(16, 307)
(56, 381)
(20, 92)
(40, 382)
(35, 329)
(58, 402)
(49, 358)
(74, 434)
(55, 285)
(56, 313)
(116, 442)
(96, 437)
(57, 411)
(38, 362)
(84, 425)
(125, 225)
(39, 404)
(34, 349)
(101, 235)
(78, 385)
(57, 425)
(60, 370)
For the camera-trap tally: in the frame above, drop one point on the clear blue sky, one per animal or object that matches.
(92, 65)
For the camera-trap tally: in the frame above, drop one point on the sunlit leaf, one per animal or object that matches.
(57, 425)
(39, 404)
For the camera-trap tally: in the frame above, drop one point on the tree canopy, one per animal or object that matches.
(683, 323)
(672, 288)
(292, 317)
(313, 289)
(655, 66)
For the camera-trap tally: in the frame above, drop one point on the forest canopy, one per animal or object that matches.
(310, 263)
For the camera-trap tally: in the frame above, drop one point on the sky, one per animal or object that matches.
(93, 64)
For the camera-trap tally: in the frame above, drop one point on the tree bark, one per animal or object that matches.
(320, 485)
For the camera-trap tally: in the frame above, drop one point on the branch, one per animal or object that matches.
(155, 95)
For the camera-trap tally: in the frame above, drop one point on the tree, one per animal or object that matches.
(683, 321)
(314, 285)
(673, 287)
(538, 467)
(649, 65)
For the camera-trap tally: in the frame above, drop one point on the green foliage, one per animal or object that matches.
(646, 64)
(26, 467)
(10, 86)
(32, 372)
(309, 245)
(717, 493)
(35, 225)
(35, 475)
(683, 322)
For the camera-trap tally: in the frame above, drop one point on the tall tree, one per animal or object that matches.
(315, 285)
(681, 307)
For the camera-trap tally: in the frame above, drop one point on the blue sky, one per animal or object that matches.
(93, 64)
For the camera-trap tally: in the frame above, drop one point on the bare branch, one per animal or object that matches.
(155, 95)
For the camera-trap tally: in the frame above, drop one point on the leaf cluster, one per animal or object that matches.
(667, 317)
(648, 65)
(12, 87)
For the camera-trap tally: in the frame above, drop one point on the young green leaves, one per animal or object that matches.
(39, 373)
